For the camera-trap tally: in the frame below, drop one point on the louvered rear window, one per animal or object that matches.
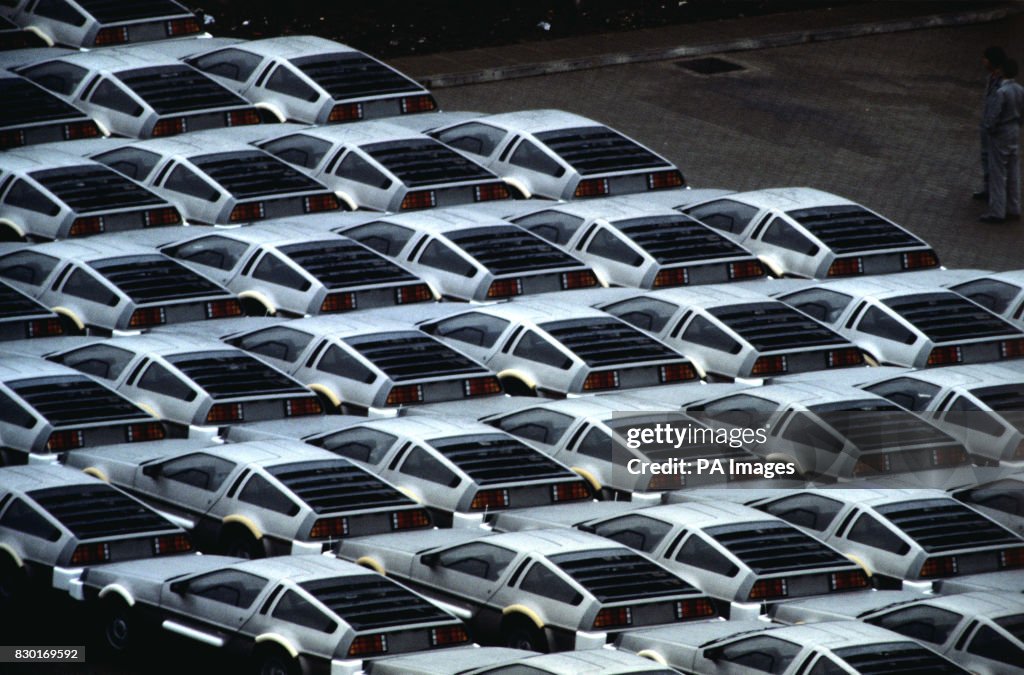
(601, 342)
(769, 326)
(947, 317)
(75, 399)
(614, 575)
(91, 188)
(897, 658)
(675, 239)
(344, 263)
(255, 174)
(495, 458)
(768, 548)
(851, 229)
(156, 279)
(354, 75)
(424, 161)
(234, 375)
(25, 103)
(14, 303)
(875, 425)
(504, 250)
(407, 356)
(371, 601)
(593, 150)
(946, 525)
(98, 511)
(174, 89)
(333, 486)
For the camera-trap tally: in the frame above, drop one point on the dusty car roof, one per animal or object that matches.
(788, 198)
(33, 158)
(711, 295)
(448, 219)
(533, 121)
(343, 326)
(39, 476)
(88, 250)
(973, 374)
(18, 367)
(361, 133)
(707, 514)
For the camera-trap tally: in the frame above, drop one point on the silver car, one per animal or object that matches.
(363, 362)
(913, 535)
(464, 471)
(140, 92)
(809, 233)
(49, 409)
(101, 23)
(833, 648)
(32, 115)
(270, 497)
(105, 286)
(468, 257)
(45, 194)
(281, 266)
(1000, 498)
(560, 155)
(998, 292)
(731, 552)
(312, 80)
(543, 590)
(833, 431)
(294, 614)
(12, 36)
(216, 179)
(22, 317)
(55, 522)
(632, 243)
(554, 346)
(497, 660)
(193, 381)
(386, 167)
(980, 631)
(898, 320)
(735, 332)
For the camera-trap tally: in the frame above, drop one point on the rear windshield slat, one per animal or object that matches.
(947, 317)
(495, 458)
(770, 326)
(852, 229)
(601, 342)
(156, 279)
(92, 188)
(676, 239)
(173, 89)
(945, 525)
(597, 149)
(98, 511)
(423, 161)
(232, 375)
(354, 75)
(27, 104)
(247, 174)
(72, 400)
(769, 548)
(344, 263)
(332, 486)
(406, 356)
(368, 602)
(612, 575)
(507, 250)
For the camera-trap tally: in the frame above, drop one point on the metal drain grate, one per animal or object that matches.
(709, 66)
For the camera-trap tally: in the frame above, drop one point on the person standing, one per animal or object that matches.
(1002, 122)
(992, 58)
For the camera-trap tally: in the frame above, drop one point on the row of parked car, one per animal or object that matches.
(387, 391)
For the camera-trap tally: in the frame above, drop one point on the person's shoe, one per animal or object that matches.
(993, 220)
(980, 196)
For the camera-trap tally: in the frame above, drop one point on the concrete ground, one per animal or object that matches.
(889, 120)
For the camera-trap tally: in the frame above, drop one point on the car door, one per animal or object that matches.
(467, 575)
(185, 486)
(213, 607)
(215, 256)
(758, 654)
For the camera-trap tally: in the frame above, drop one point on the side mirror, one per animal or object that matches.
(179, 587)
(430, 559)
(152, 470)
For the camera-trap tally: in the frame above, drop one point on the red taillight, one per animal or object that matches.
(505, 288)
(83, 227)
(145, 431)
(844, 358)
(44, 327)
(77, 130)
(171, 543)
(346, 112)
(606, 379)
(1011, 558)
(147, 316)
(423, 199)
(176, 27)
(320, 203)
(846, 267)
(222, 309)
(613, 616)
(665, 481)
(916, 260)
(677, 372)
(60, 441)
(674, 276)
(410, 393)
(407, 295)
(329, 528)
(694, 609)
(13, 139)
(580, 279)
(338, 302)
(1011, 349)
(225, 412)
(870, 464)
(171, 126)
(242, 118)
(770, 365)
(953, 455)
(490, 192)
(662, 180)
(366, 645)
(489, 499)
(769, 588)
(409, 520)
(302, 407)
(481, 386)
(748, 269)
(416, 104)
(87, 554)
(247, 212)
(942, 356)
(570, 492)
(162, 217)
(593, 187)
(448, 635)
(845, 581)
(111, 36)
(944, 566)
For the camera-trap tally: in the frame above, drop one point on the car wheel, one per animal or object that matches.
(275, 661)
(240, 544)
(521, 633)
(513, 386)
(120, 632)
(12, 582)
(10, 457)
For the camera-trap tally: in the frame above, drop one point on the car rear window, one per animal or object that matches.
(337, 485)
(598, 149)
(675, 239)
(425, 161)
(230, 374)
(896, 658)
(75, 399)
(254, 174)
(496, 458)
(613, 575)
(173, 89)
(769, 548)
(156, 279)
(407, 356)
(89, 188)
(98, 511)
(347, 75)
(504, 250)
(946, 317)
(606, 341)
(370, 601)
(944, 525)
(769, 326)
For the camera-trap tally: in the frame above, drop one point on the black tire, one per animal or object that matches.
(521, 633)
(10, 457)
(7, 234)
(119, 627)
(275, 661)
(513, 386)
(253, 307)
(240, 543)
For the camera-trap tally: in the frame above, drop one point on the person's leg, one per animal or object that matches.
(982, 193)
(998, 156)
(1013, 182)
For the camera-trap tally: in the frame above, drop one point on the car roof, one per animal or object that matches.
(534, 121)
(872, 497)
(829, 634)
(988, 604)
(608, 208)
(882, 286)
(547, 542)
(115, 59)
(184, 47)
(20, 367)
(444, 220)
(812, 393)
(186, 145)
(166, 344)
(592, 407)
(711, 295)
(428, 428)
(344, 325)
(300, 568)
(362, 133)
(967, 375)
(86, 250)
(456, 660)
(272, 233)
(38, 476)
(292, 46)
(542, 310)
(790, 198)
(708, 514)
(34, 157)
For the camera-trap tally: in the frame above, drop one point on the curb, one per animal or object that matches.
(740, 44)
